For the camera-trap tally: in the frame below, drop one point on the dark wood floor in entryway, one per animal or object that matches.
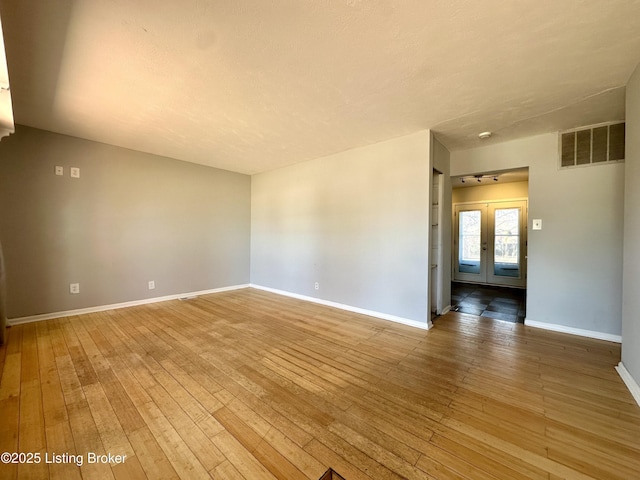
(498, 303)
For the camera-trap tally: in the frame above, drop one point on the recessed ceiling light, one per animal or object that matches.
(484, 135)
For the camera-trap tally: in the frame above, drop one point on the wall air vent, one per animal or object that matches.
(592, 145)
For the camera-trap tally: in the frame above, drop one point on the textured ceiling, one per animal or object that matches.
(253, 85)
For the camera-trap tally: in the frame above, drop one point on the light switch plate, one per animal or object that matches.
(537, 224)
(75, 172)
(59, 170)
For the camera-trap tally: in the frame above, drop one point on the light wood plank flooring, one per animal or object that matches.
(251, 385)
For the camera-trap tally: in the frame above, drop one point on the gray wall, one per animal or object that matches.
(631, 299)
(130, 218)
(356, 222)
(575, 261)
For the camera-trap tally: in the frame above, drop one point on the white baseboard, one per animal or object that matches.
(629, 381)
(102, 308)
(574, 331)
(446, 310)
(349, 308)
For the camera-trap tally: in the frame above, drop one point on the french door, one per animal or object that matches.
(490, 242)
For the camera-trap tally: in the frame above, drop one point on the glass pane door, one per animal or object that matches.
(506, 234)
(471, 243)
(507, 226)
(469, 253)
(490, 243)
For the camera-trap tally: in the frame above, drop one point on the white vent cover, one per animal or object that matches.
(592, 145)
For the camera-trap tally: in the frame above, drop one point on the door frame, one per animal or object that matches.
(481, 276)
(488, 277)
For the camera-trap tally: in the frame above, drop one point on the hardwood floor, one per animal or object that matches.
(251, 385)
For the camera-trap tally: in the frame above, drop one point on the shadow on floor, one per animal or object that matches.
(499, 303)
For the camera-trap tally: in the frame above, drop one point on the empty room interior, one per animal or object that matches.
(320, 240)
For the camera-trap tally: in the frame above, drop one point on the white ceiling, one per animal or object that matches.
(253, 85)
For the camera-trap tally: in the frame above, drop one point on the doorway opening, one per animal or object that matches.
(489, 244)
(489, 301)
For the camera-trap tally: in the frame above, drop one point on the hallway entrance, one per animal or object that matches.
(490, 243)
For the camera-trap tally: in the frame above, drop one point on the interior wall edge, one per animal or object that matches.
(631, 255)
(629, 381)
(574, 331)
(383, 316)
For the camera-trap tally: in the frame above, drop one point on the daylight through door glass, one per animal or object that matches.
(506, 259)
(469, 242)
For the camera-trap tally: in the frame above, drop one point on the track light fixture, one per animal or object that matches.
(479, 178)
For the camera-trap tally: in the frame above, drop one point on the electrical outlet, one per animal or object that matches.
(317, 286)
(74, 288)
(152, 284)
(59, 170)
(75, 172)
